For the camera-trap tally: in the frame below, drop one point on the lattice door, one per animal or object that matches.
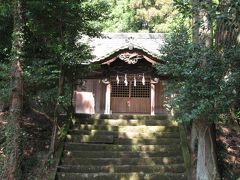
(130, 98)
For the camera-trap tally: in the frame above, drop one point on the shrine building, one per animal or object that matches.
(126, 81)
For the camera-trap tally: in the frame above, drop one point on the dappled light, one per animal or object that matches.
(122, 147)
(69, 137)
(119, 89)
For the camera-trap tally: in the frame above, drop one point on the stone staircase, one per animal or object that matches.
(122, 148)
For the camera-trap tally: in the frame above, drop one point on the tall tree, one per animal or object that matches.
(53, 29)
(16, 108)
(227, 39)
(202, 36)
(204, 75)
(51, 58)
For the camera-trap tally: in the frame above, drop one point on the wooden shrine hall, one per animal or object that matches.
(125, 81)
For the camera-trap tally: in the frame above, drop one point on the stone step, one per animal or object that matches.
(126, 147)
(130, 134)
(122, 154)
(125, 122)
(121, 116)
(121, 176)
(106, 139)
(122, 161)
(173, 168)
(142, 141)
(140, 128)
(109, 139)
(111, 147)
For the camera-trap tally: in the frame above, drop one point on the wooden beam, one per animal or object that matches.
(108, 99)
(152, 99)
(150, 60)
(111, 58)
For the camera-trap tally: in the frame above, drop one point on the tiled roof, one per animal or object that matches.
(110, 43)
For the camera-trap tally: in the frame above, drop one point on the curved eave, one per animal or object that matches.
(110, 57)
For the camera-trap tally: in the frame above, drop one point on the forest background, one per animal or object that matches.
(40, 59)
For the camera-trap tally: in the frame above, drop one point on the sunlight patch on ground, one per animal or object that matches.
(69, 153)
(69, 137)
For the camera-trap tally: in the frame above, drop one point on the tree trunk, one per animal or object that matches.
(16, 108)
(227, 32)
(193, 148)
(205, 23)
(14, 162)
(206, 155)
(57, 106)
(206, 152)
(195, 22)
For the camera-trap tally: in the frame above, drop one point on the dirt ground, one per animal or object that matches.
(37, 136)
(228, 146)
(36, 132)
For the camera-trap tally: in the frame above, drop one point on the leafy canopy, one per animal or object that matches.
(50, 32)
(145, 15)
(208, 90)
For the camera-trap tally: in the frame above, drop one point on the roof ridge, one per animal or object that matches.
(110, 43)
(115, 35)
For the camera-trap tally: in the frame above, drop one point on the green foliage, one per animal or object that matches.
(52, 29)
(62, 132)
(184, 7)
(5, 47)
(49, 36)
(7, 147)
(4, 82)
(6, 22)
(204, 80)
(155, 15)
(134, 16)
(50, 46)
(201, 90)
(121, 18)
(64, 129)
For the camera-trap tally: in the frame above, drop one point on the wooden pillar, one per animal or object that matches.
(97, 95)
(108, 99)
(152, 99)
(153, 89)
